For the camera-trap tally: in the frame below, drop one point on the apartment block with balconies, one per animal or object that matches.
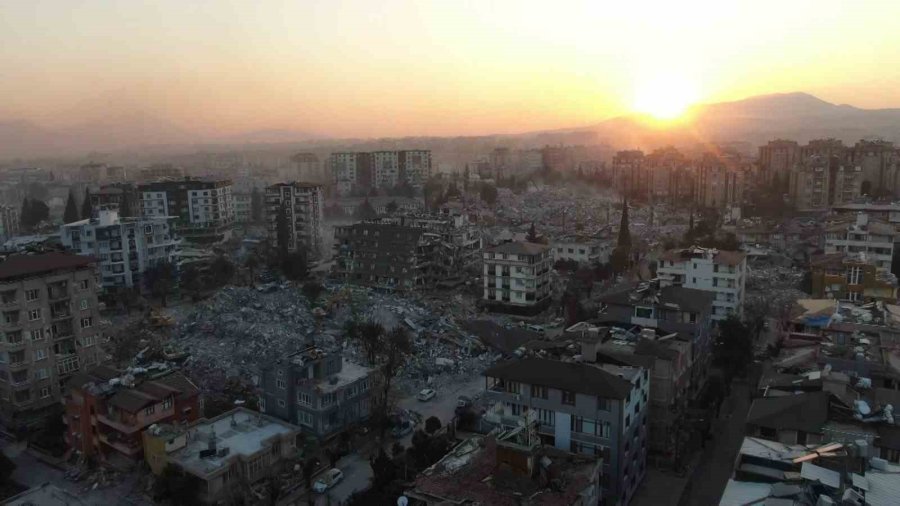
(721, 272)
(50, 327)
(517, 277)
(302, 205)
(588, 409)
(106, 410)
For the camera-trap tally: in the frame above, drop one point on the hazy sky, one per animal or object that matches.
(395, 67)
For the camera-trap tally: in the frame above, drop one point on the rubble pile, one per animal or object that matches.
(230, 334)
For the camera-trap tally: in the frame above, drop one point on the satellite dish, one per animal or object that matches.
(402, 500)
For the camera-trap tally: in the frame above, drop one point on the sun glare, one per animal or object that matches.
(664, 97)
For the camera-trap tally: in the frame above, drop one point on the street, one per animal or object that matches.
(443, 405)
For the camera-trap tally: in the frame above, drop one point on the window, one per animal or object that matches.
(31, 295)
(643, 312)
(84, 304)
(149, 410)
(40, 354)
(88, 341)
(304, 399)
(45, 392)
(84, 284)
(304, 418)
(87, 322)
(280, 384)
(37, 334)
(327, 400)
(512, 387)
(568, 397)
(603, 404)
(167, 402)
(41, 373)
(34, 314)
(14, 337)
(546, 416)
(281, 403)
(539, 391)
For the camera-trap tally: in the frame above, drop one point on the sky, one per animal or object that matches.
(378, 68)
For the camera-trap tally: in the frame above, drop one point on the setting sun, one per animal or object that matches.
(664, 96)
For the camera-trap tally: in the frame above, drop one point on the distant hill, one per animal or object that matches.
(797, 116)
(754, 121)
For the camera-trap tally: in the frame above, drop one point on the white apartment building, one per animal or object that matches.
(517, 276)
(582, 249)
(712, 270)
(203, 210)
(863, 235)
(303, 203)
(380, 169)
(415, 166)
(124, 248)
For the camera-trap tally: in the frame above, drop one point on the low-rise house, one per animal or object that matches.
(872, 237)
(589, 409)
(227, 454)
(723, 273)
(585, 250)
(317, 390)
(106, 409)
(851, 277)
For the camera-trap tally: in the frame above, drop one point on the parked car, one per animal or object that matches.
(402, 428)
(328, 479)
(463, 401)
(426, 394)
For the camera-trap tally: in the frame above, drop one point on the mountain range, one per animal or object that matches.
(755, 120)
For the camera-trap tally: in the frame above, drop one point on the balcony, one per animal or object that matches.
(57, 293)
(127, 447)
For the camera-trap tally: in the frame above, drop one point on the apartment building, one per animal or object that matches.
(107, 409)
(203, 209)
(877, 161)
(629, 173)
(585, 250)
(719, 185)
(862, 235)
(461, 241)
(317, 390)
(589, 409)
(9, 222)
(124, 248)
(818, 183)
(676, 312)
(721, 272)
(228, 454)
(302, 205)
(101, 172)
(778, 157)
(123, 197)
(384, 255)
(852, 277)
(517, 277)
(359, 172)
(50, 328)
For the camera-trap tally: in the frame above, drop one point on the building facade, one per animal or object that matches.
(243, 207)
(517, 276)
(871, 237)
(718, 185)
(317, 390)
(589, 409)
(582, 249)
(302, 205)
(851, 277)
(51, 330)
(359, 172)
(107, 409)
(383, 255)
(122, 197)
(721, 272)
(124, 248)
(203, 209)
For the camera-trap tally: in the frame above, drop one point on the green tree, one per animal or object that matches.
(733, 349)
(294, 266)
(251, 263)
(177, 487)
(489, 194)
(70, 215)
(86, 209)
(282, 233)
(25, 215)
(532, 234)
(432, 425)
(125, 205)
(370, 336)
(396, 347)
(391, 207)
(624, 240)
(221, 270)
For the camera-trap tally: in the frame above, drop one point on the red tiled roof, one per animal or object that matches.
(24, 265)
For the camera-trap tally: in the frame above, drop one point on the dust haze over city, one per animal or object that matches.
(426, 253)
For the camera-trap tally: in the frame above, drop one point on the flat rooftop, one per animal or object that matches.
(243, 432)
(349, 373)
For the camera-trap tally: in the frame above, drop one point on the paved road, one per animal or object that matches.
(717, 463)
(443, 405)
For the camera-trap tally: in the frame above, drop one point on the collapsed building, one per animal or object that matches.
(407, 252)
